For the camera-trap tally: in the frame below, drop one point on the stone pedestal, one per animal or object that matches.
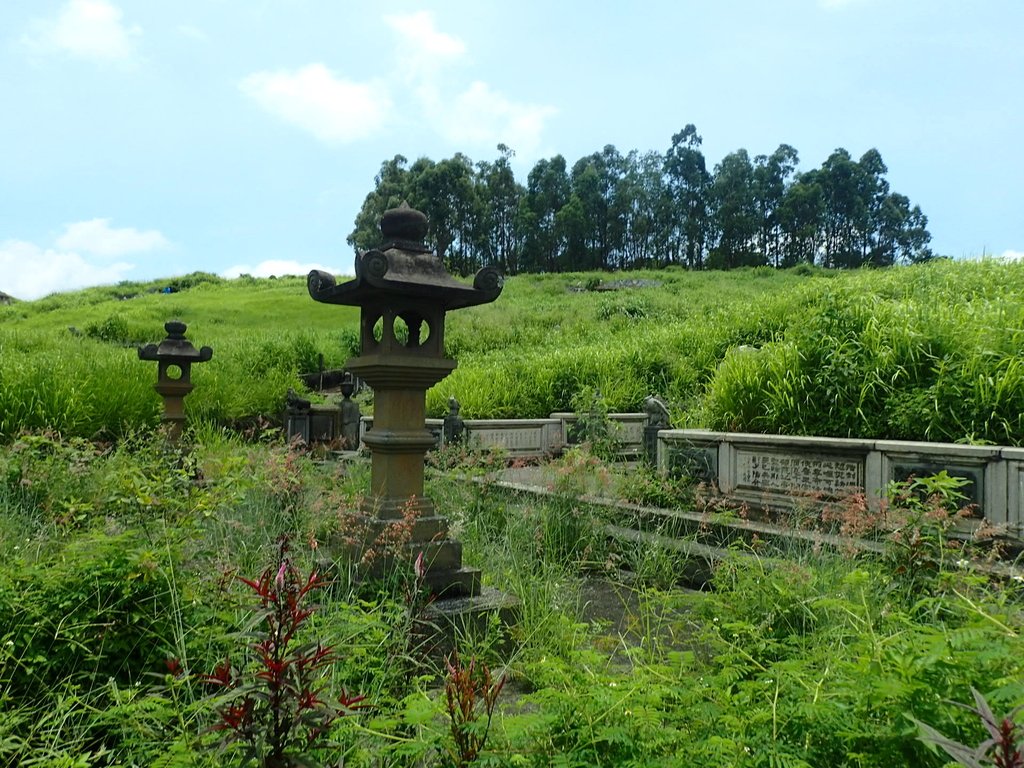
(651, 444)
(398, 444)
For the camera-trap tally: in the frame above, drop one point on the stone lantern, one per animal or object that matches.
(174, 356)
(403, 292)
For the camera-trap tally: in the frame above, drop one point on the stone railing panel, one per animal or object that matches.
(519, 438)
(981, 465)
(775, 472)
(627, 429)
(536, 438)
(782, 471)
(697, 456)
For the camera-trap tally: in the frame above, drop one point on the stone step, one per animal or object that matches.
(461, 582)
(445, 555)
(370, 533)
(721, 530)
(700, 559)
(446, 623)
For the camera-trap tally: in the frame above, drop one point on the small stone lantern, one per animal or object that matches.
(403, 292)
(174, 356)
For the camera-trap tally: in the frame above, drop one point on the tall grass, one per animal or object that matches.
(933, 352)
(926, 352)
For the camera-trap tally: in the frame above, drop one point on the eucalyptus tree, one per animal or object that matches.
(902, 232)
(772, 174)
(846, 209)
(913, 238)
(801, 217)
(593, 180)
(446, 192)
(391, 188)
(874, 190)
(734, 212)
(648, 210)
(500, 196)
(640, 213)
(547, 191)
(572, 228)
(586, 224)
(689, 185)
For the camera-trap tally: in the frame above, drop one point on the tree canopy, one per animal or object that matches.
(611, 210)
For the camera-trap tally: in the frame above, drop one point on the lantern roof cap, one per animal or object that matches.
(404, 267)
(175, 348)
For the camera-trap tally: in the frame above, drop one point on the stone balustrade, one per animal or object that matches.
(538, 438)
(781, 471)
(778, 472)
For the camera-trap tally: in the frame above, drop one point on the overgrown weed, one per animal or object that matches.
(813, 659)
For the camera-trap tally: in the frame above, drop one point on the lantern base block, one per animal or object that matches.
(445, 622)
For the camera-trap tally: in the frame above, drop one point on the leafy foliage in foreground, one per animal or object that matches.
(112, 614)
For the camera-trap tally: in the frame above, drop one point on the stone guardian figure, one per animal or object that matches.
(454, 427)
(350, 415)
(657, 419)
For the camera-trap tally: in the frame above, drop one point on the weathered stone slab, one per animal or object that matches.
(980, 465)
(627, 429)
(296, 426)
(324, 423)
(519, 438)
(1014, 458)
(319, 423)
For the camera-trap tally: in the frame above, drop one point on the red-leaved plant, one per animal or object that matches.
(471, 693)
(273, 702)
(1004, 748)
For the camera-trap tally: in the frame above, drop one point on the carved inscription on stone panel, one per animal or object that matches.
(829, 475)
(523, 439)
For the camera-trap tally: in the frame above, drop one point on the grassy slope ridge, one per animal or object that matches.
(927, 352)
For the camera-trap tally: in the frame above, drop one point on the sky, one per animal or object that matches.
(143, 139)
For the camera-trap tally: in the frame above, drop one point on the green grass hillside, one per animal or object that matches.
(934, 351)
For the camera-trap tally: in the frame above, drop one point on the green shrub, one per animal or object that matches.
(98, 610)
(114, 328)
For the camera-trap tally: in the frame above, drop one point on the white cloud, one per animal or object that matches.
(88, 29)
(479, 115)
(422, 46)
(313, 98)
(1009, 255)
(482, 116)
(30, 272)
(277, 268)
(338, 111)
(97, 237)
(193, 33)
